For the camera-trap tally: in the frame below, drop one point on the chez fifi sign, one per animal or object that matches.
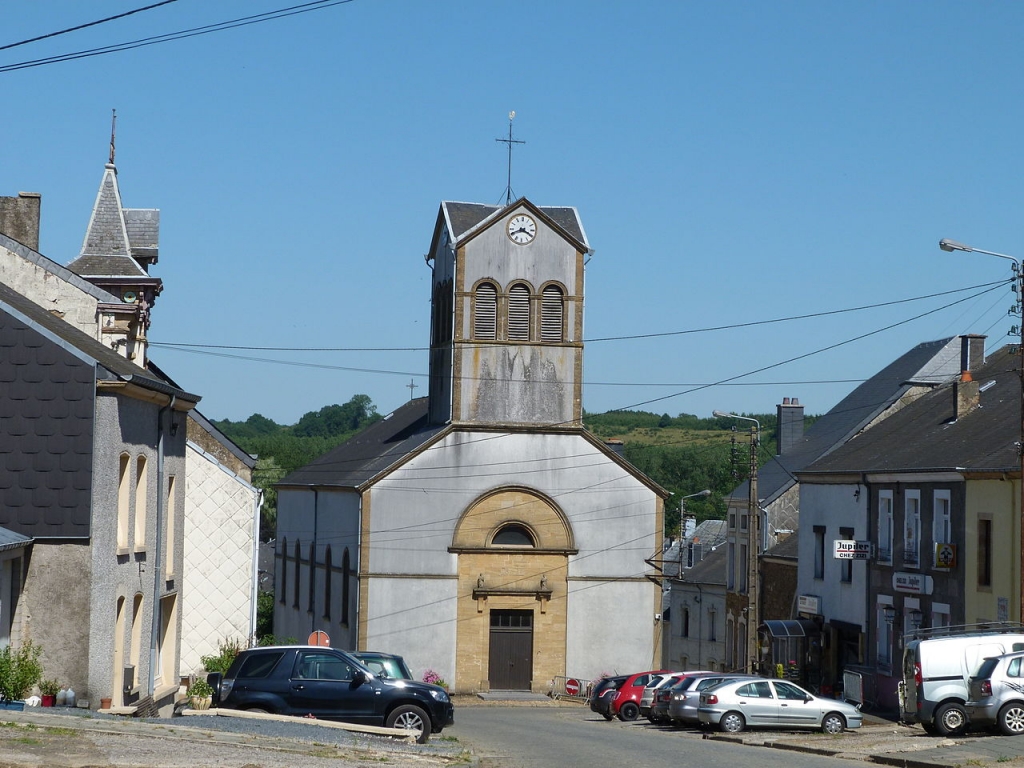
(848, 549)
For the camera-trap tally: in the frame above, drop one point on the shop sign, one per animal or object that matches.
(848, 549)
(914, 583)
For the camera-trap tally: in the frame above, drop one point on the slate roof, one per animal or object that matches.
(710, 570)
(107, 248)
(785, 549)
(462, 217)
(924, 437)
(62, 272)
(357, 461)
(928, 363)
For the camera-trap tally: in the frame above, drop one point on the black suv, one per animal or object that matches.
(332, 685)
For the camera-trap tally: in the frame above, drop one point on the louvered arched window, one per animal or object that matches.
(551, 314)
(485, 312)
(519, 313)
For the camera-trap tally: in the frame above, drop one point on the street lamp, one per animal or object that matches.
(753, 540)
(1018, 311)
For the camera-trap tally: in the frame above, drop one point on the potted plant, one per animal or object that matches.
(20, 671)
(200, 694)
(48, 690)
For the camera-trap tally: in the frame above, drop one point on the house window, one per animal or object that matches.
(551, 314)
(169, 530)
(732, 521)
(284, 570)
(346, 569)
(885, 527)
(846, 566)
(141, 490)
(328, 578)
(513, 535)
(984, 552)
(744, 565)
(685, 629)
(819, 552)
(940, 615)
(712, 629)
(124, 489)
(165, 642)
(912, 530)
(942, 525)
(485, 312)
(136, 647)
(519, 313)
(884, 634)
(731, 571)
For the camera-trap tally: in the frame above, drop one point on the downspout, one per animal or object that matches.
(158, 554)
(312, 561)
(255, 566)
(700, 623)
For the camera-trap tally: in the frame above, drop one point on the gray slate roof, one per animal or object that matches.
(710, 570)
(462, 217)
(923, 436)
(786, 549)
(360, 459)
(928, 363)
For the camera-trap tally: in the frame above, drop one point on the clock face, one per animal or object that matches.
(522, 229)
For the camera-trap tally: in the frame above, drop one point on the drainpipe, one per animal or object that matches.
(255, 566)
(158, 554)
(700, 623)
(312, 560)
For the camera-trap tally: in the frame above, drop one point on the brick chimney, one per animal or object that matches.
(790, 430)
(19, 218)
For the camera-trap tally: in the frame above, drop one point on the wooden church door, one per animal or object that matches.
(510, 660)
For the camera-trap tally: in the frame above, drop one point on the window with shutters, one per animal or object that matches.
(519, 313)
(551, 314)
(485, 312)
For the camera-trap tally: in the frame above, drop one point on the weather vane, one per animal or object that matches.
(510, 141)
(113, 130)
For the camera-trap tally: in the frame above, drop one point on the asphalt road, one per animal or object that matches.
(545, 737)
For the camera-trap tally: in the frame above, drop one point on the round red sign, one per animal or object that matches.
(572, 686)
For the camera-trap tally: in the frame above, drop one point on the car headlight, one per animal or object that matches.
(439, 694)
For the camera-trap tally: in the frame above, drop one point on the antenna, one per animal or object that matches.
(412, 385)
(510, 141)
(113, 132)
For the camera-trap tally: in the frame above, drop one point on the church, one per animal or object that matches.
(482, 532)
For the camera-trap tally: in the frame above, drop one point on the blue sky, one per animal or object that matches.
(732, 162)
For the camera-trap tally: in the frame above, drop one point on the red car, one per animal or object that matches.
(626, 701)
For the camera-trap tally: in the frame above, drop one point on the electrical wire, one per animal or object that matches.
(85, 26)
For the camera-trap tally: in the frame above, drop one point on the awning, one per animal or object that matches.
(11, 540)
(790, 628)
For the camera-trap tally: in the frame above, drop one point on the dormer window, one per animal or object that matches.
(513, 535)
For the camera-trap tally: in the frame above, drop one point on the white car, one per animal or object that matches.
(739, 704)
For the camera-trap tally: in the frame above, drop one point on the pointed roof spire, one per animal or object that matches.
(106, 251)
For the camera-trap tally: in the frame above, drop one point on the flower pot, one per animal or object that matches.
(49, 699)
(201, 702)
(17, 705)
(105, 702)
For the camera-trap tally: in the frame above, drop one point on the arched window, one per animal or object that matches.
(346, 569)
(519, 313)
(328, 578)
(141, 492)
(513, 535)
(551, 314)
(298, 573)
(124, 488)
(485, 312)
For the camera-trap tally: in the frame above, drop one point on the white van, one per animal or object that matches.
(937, 668)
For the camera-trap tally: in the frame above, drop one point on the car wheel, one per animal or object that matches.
(411, 718)
(833, 723)
(950, 719)
(607, 715)
(1011, 719)
(930, 729)
(732, 722)
(629, 711)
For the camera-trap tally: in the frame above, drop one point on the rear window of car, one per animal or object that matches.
(988, 666)
(258, 664)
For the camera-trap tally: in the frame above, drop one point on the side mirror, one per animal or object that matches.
(808, 698)
(359, 678)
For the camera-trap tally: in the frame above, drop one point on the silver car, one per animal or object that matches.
(685, 695)
(658, 682)
(739, 704)
(996, 694)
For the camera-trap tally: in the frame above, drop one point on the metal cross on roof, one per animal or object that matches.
(510, 141)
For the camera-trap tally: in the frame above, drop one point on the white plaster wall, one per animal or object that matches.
(697, 648)
(217, 579)
(611, 628)
(833, 506)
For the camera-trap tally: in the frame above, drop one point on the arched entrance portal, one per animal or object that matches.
(513, 546)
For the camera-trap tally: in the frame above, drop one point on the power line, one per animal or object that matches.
(84, 26)
(180, 35)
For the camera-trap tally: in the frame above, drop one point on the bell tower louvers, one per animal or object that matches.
(507, 315)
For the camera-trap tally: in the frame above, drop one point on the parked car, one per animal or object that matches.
(737, 704)
(658, 682)
(384, 664)
(626, 702)
(330, 685)
(937, 671)
(997, 694)
(684, 697)
(604, 691)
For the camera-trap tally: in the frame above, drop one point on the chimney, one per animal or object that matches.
(790, 430)
(965, 396)
(19, 218)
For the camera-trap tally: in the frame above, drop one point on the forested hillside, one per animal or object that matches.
(684, 454)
